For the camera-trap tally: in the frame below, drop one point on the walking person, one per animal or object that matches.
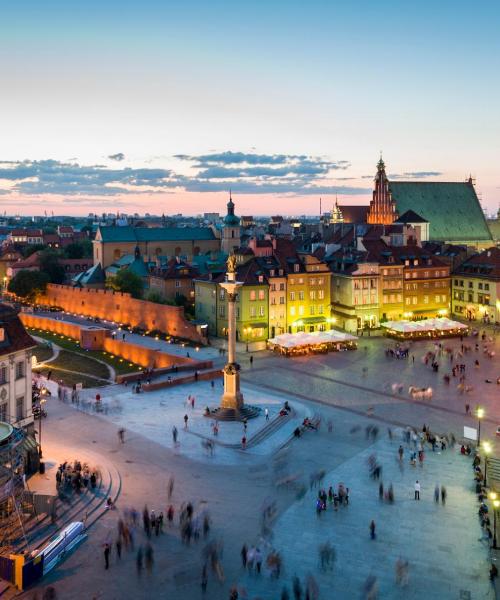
(266, 412)
(244, 554)
(186, 418)
(204, 579)
(443, 495)
(119, 547)
(417, 490)
(436, 494)
(174, 434)
(372, 530)
(121, 435)
(107, 552)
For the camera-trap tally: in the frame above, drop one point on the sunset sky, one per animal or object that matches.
(163, 106)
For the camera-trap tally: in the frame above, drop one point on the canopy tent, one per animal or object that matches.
(331, 339)
(438, 326)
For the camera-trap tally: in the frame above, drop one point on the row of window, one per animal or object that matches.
(313, 310)
(426, 285)
(313, 294)
(4, 410)
(20, 372)
(481, 298)
(480, 285)
(425, 275)
(438, 298)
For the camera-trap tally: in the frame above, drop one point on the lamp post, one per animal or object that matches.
(479, 415)
(487, 450)
(42, 401)
(496, 503)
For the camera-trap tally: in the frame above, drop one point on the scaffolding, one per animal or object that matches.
(16, 500)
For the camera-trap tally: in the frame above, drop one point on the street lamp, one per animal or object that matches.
(496, 503)
(41, 402)
(487, 450)
(479, 415)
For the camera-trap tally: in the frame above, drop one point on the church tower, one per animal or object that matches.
(336, 215)
(231, 229)
(382, 209)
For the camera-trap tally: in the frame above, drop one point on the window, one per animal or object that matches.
(20, 408)
(471, 285)
(312, 281)
(470, 297)
(487, 287)
(273, 301)
(321, 309)
(414, 274)
(443, 298)
(292, 296)
(271, 272)
(262, 310)
(437, 298)
(300, 280)
(426, 299)
(414, 299)
(292, 281)
(262, 295)
(385, 299)
(296, 267)
(253, 312)
(253, 295)
(292, 311)
(222, 294)
(407, 276)
(282, 299)
(321, 281)
(3, 375)
(177, 283)
(261, 278)
(312, 295)
(321, 294)
(408, 300)
(480, 285)
(400, 298)
(456, 282)
(282, 287)
(3, 412)
(273, 287)
(222, 311)
(19, 370)
(301, 295)
(301, 310)
(237, 312)
(357, 285)
(312, 309)
(426, 273)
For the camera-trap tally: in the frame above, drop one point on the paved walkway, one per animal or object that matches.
(442, 543)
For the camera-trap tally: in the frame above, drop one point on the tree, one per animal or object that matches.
(31, 249)
(127, 281)
(49, 264)
(27, 284)
(79, 249)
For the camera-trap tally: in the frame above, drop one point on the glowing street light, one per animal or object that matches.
(479, 415)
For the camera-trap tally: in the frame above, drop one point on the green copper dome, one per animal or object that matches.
(231, 220)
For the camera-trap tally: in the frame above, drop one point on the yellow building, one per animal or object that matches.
(476, 287)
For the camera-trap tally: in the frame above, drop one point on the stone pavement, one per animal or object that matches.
(446, 557)
(154, 414)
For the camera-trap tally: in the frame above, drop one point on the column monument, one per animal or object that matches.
(232, 405)
(232, 397)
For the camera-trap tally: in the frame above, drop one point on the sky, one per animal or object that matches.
(162, 107)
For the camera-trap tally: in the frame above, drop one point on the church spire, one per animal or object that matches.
(382, 209)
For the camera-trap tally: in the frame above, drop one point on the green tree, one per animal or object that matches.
(31, 249)
(49, 264)
(27, 284)
(154, 296)
(127, 281)
(79, 249)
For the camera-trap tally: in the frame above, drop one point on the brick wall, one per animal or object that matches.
(145, 357)
(122, 308)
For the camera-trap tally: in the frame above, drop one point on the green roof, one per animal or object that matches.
(452, 209)
(155, 234)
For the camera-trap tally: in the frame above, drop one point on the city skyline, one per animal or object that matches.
(108, 110)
